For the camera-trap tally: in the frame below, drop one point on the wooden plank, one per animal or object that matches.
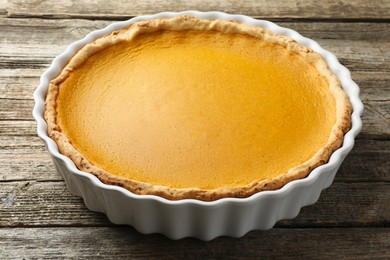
(64, 31)
(373, 85)
(16, 109)
(35, 168)
(376, 119)
(17, 127)
(44, 204)
(288, 9)
(367, 162)
(30, 203)
(26, 158)
(121, 242)
(18, 87)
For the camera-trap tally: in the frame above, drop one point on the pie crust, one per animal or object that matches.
(182, 23)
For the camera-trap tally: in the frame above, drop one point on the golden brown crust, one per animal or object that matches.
(342, 125)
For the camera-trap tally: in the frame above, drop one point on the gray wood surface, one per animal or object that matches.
(39, 218)
(35, 203)
(125, 242)
(287, 9)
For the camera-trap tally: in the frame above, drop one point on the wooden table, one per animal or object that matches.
(39, 218)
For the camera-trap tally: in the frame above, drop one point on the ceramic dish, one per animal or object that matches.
(188, 217)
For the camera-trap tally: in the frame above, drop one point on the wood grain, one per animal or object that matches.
(18, 127)
(288, 9)
(31, 203)
(124, 242)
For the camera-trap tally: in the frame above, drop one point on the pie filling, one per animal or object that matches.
(200, 109)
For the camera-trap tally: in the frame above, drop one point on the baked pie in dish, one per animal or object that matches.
(194, 105)
(191, 108)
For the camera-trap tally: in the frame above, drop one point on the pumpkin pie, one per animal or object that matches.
(186, 108)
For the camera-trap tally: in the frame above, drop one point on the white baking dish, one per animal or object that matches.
(192, 218)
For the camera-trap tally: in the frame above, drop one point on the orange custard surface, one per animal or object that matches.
(196, 109)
